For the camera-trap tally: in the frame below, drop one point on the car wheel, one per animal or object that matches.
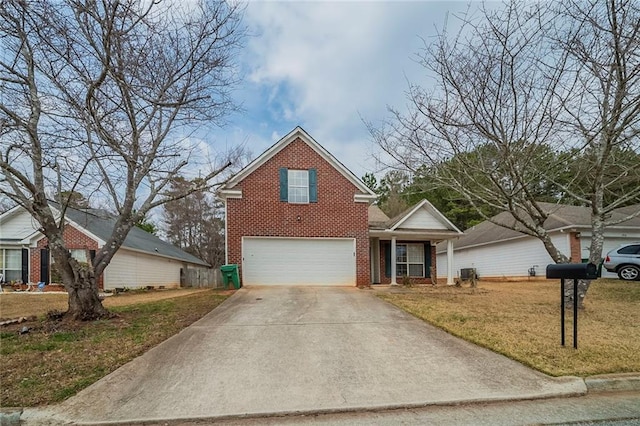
(629, 273)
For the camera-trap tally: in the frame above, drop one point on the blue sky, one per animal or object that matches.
(326, 65)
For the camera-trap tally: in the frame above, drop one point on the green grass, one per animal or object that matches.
(55, 360)
(522, 321)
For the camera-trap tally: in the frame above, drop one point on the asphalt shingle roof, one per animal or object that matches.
(561, 216)
(101, 224)
(377, 218)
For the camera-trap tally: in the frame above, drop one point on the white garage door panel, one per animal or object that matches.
(304, 261)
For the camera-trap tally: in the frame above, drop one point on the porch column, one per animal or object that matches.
(375, 260)
(450, 262)
(393, 261)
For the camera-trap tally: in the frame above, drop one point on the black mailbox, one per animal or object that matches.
(584, 271)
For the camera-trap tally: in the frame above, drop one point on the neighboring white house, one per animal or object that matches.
(143, 260)
(500, 253)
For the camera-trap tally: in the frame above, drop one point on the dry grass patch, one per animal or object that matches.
(26, 304)
(522, 321)
(56, 359)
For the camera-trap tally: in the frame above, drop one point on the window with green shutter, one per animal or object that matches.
(299, 186)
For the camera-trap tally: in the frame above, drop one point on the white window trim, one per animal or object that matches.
(290, 186)
(4, 268)
(408, 263)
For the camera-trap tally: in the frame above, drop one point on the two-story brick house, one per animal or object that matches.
(297, 216)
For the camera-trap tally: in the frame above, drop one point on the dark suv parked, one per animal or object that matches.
(625, 261)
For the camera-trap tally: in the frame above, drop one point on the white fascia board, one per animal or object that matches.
(286, 140)
(12, 244)
(430, 235)
(13, 210)
(230, 193)
(408, 215)
(33, 238)
(364, 198)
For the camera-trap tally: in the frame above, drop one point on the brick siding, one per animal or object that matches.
(574, 246)
(74, 239)
(261, 213)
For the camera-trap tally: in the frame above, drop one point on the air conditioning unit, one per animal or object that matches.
(467, 273)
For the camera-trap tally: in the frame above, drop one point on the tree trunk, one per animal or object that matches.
(84, 301)
(583, 287)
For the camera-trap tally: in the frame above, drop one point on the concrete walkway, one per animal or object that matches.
(288, 350)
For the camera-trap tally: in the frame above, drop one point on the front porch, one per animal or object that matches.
(402, 249)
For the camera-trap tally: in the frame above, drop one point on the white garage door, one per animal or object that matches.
(298, 261)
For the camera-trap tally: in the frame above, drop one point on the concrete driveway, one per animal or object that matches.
(292, 349)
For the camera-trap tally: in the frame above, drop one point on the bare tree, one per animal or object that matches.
(521, 93)
(195, 223)
(391, 200)
(602, 109)
(103, 96)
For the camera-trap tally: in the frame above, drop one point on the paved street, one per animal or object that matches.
(606, 409)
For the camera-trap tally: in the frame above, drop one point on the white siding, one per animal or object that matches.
(504, 259)
(422, 219)
(132, 269)
(19, 225)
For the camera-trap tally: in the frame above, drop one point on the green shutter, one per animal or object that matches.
(387, 259)
(313, 186)
(284, 184)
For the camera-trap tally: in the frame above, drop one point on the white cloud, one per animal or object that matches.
(324, 65)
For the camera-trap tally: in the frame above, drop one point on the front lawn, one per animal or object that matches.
(522, 321)
(55, 360)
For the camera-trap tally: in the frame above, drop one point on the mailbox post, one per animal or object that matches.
(574, 271)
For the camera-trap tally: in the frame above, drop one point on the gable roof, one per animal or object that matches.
(424, 206)
(99, 224)
(561, 216)
(296, 133)
(420, 217)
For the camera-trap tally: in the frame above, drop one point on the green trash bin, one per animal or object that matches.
(230, 275)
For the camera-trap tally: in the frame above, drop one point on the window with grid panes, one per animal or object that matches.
(11, 264)
(298, 189)
(410, 260)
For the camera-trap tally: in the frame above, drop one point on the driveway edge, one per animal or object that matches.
(613, 382)
(575, 387)
(627, 382)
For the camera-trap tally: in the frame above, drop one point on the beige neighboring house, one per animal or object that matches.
(501, 253)
(143, 260)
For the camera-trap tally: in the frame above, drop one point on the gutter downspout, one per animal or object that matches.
(226, 233)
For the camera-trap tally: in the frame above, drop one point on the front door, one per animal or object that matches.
(44, 266)
(25, 266)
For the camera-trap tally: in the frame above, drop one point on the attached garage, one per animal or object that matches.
(299, 261)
